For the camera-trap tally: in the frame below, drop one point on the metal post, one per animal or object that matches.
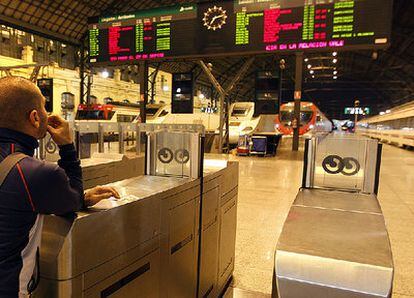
(222, 122)
(42, 154)
(82, 73)
(100, 139)
(121, 139)
(298, 95)
(282, 66)
(356, 121)
(227, 124)
(356, 110)
(138, 139)
(143, 87)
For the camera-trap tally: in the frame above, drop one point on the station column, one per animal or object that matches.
(143, 89)
(298, 96)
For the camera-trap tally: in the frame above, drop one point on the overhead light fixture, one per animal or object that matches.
(105, 74)
(311, 71)
(178, 90)
(334, 54)
(335, 60)
(335, 72)
(306, 59)
(387, 111)
(382, 113)
(309, 66)
(335, 77)
(313, 77)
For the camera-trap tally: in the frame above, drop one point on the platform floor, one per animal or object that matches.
(268, 186)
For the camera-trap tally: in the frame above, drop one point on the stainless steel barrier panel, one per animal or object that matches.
(174, 150)
(342, 162)
(334, 242)
(109, 152)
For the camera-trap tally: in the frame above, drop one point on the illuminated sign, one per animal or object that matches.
(240, 27)
(358, 111)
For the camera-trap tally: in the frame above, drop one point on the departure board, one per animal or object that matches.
(240, 27)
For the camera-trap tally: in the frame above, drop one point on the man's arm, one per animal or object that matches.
(56, 189)
(71, 165)
(61, 187)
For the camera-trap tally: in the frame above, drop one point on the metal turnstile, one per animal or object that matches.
(334, 242)
(172, 233)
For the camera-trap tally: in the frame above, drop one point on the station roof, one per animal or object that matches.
(381, 80)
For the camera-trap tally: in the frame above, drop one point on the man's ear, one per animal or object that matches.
(34, 119)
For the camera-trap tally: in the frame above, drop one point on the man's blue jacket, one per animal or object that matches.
(31, 189)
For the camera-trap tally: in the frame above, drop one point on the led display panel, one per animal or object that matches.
(240, 27)
(358, 111)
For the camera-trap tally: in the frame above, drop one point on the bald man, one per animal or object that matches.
(30, 187)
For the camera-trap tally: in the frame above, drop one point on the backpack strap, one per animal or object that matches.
(8, 164)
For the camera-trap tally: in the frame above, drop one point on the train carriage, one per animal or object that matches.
(312, 120)
(394, 127)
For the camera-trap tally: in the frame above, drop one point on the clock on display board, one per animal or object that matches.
(215, 18)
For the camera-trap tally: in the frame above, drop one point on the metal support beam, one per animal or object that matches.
(222, 98)
(240, 74)
(152, 82)
(37, 67)
(143, 89)
(298, 95)
(85, 75)
(3, 68)
(211, 77)
(224, 105)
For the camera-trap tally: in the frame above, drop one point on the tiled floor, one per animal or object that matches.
(267, 188)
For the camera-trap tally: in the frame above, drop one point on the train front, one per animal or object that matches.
(285, 120)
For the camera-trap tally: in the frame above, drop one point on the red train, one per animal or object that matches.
(312, 120)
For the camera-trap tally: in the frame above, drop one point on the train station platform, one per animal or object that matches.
(267, 188)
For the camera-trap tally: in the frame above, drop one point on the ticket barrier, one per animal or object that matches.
(334, 242)
(102, 162)
(148, 243)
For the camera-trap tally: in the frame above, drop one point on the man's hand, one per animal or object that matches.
(99, 193)
(59, 130)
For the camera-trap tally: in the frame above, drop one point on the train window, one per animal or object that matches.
(287, 116)
(306, 116)
(239, 112)
(93, 115)
(125, 118)
(92, 99)
(107, 100)
(164, 113)
(151, 111)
